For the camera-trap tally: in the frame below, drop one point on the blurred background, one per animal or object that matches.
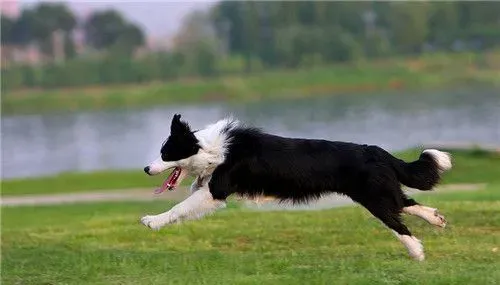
(91, 86)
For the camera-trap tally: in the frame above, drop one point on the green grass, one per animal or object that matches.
(428, 71)
(469, 167)
(83, 182)
(104, 244)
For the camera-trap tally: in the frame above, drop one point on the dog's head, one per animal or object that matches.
(197, 153)
(177, 153)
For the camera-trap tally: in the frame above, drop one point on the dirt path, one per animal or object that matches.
(179, 194)
(94, 196)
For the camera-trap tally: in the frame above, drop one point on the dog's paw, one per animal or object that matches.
(155, 222)
(439, 220)
(416, 251)
(414, 247)
(433, 216)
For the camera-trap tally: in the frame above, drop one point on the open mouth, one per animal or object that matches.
(171, 182)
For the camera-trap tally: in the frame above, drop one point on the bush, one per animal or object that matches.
(301, 45)
(12, 78)
(114, 69)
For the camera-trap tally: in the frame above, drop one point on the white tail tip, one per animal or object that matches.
(443, 159)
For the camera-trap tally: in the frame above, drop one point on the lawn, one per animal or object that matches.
(82, 182)
(469, 167)
(105, 244)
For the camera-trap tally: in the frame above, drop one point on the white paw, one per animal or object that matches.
(414, 247)
(439, 220)
(417, 250)
(152, 222)
(156, 222)
(433, 216)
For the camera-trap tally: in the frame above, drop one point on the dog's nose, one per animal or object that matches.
(146, 169)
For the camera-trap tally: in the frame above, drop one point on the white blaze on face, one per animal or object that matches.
(158, 166)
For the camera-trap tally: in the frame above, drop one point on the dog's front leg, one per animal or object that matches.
(198, 184)
(199, 204)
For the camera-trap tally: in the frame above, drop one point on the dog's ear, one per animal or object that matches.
(179, 127)
(177, 117)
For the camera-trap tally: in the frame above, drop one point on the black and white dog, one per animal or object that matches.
(229, 158)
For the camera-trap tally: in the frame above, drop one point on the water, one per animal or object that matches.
(37, 145)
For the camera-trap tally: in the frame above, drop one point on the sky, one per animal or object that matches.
(158, 18)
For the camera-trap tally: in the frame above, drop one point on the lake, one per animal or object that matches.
(37, 145)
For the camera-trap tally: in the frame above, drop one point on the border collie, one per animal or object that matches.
(229, 158)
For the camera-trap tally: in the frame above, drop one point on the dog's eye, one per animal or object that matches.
(164, 156)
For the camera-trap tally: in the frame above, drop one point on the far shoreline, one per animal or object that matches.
(428, 72)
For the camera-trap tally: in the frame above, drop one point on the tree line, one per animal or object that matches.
(266, 34)
(289, 33)
(103, 30)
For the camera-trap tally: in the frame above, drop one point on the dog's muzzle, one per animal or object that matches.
(158, 166)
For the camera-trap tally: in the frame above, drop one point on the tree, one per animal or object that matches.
(38, 25)
(51, 17)
(306, 12)
(129, 39)
(479, 22)
(69, 47)
(348, 15)
(198, 44)
(443, 22)
(108, 29)
(478, 13)
(251, 31)
(7, 26)
(47, 18)
(409, 25)
(227, 17)
(22, 30)
(295, 43)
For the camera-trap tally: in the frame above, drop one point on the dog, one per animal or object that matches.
(229, 158)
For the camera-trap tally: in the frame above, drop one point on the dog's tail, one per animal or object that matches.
(424, 173)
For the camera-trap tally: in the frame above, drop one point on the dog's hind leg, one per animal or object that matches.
(431, 215)
(199, 204)
(385, 210)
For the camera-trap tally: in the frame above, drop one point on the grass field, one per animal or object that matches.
(469, 167)
(105, 244)
(427, 71)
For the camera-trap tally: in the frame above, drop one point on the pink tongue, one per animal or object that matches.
(170, 181)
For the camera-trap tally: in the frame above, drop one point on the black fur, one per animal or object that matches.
(299, 170)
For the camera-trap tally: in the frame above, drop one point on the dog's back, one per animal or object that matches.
(302, 169)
